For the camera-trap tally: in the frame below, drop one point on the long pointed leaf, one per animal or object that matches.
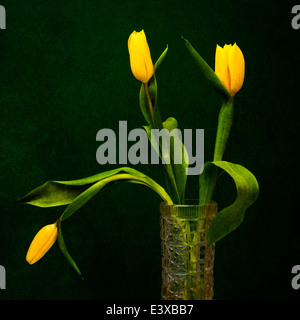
(207, 71)
(82, 199)
(65, 251)
(179, 169)
(58, 193)
(52, 194)
(160, 59)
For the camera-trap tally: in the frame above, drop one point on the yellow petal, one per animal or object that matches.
(227, 48)
(221, 66)
(41, 243)
(140, 57)
(136, 59)
(236, 63)
(130, 38)
(146, 55)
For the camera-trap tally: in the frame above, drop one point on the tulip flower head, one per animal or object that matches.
(41, 243)
(140, 57)
(230, 67)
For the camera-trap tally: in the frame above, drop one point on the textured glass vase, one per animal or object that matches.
(187, 262)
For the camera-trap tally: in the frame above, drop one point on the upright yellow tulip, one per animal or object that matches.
(41, 243)
(140, 57)
(230, 67)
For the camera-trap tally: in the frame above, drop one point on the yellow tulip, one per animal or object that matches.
(140, 57)
(41, 243)
(230, 67)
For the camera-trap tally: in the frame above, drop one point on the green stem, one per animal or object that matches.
(209, 178)
(173, 189)
(150, 105)
(224, 127)
(171, 183)
(148, 182)
(207, 183)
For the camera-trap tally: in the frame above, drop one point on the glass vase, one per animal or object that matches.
(187, 261)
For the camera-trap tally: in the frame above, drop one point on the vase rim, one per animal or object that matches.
(190, 203)
(191, 210)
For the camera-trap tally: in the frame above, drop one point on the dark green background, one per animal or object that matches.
(65, 75)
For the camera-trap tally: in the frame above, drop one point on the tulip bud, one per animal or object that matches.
(230, 67)
(41, 243)
(140, 57)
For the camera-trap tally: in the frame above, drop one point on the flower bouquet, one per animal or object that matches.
(189, 228)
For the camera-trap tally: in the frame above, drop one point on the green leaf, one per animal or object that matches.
(64, 250)
(170, 124)
(83, 198)
(232, 216)
(207, 71)
(58, 193)
(176, 146)
(130, 175)
(160, 59)
(177, 175)
(52, 194)
(55, 193)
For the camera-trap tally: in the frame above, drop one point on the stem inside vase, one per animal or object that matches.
(187, 261)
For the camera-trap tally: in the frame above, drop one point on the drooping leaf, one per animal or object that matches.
(231, 217)
(52, 194)
(58, 193)
(130, 176)
(83, 198)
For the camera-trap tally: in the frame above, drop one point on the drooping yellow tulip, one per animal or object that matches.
(230, 67)
(41, 243)
(140, 57)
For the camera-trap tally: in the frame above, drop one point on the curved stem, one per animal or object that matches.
(146, 181)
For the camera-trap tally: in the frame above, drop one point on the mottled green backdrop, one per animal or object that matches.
(65, 74)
